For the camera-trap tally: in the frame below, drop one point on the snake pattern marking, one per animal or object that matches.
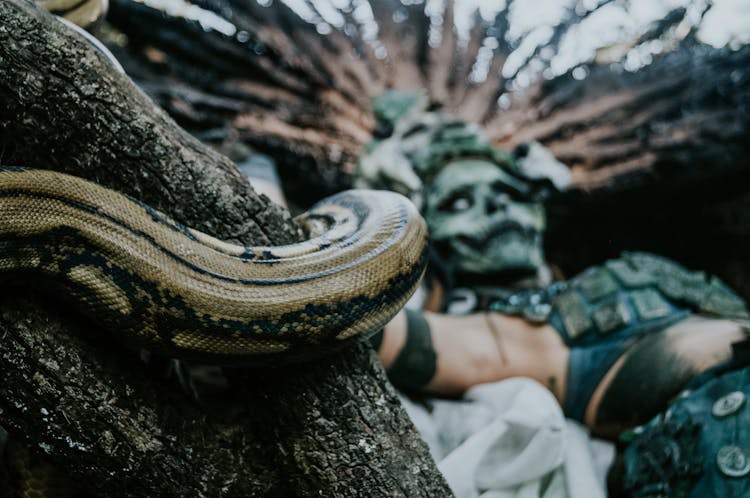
(160, 285)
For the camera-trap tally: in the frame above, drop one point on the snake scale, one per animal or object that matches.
(157, 284)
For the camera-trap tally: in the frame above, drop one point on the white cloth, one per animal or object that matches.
(509, 439)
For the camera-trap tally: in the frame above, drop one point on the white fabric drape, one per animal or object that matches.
(509, 439)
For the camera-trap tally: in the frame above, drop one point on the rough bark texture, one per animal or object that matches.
(334, 429)
(99, 412)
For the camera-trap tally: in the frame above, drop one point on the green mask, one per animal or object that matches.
(483, 217)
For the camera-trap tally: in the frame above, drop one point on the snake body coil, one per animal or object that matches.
(168, 288)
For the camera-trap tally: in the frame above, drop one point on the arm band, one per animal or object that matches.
(415, 364)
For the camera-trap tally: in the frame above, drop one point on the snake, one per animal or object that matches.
(159, 285)
(81, 13)
(153, 283)
(156, 284)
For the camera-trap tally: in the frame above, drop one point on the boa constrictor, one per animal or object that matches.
(171, 289)
(174, 290)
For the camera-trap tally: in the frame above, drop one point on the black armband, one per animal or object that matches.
(416, 363)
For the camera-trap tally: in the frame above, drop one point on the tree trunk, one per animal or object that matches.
(102, 414)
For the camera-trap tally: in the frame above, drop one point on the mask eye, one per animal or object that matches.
(461, 204)
(457, 202)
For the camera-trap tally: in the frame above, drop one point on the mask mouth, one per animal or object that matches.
(481, 242)
(506, 247)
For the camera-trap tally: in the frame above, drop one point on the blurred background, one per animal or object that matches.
(646, 101)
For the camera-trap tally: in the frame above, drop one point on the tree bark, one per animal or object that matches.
(103, 415)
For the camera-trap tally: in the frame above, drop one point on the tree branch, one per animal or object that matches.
(100, 413)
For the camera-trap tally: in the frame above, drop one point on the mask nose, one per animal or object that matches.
(497, 202)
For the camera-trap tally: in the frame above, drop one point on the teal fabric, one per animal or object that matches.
(698, 448)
